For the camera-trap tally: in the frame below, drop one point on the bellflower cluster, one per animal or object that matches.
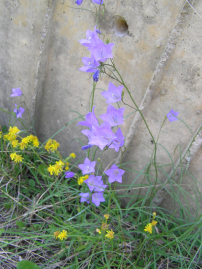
(102, 136)
(100, 52)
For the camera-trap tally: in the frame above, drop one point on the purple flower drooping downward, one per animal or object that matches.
(113, 116)
(88, 166)
(93, 182)
(87, 147)
(90, 64)
(69, 174)
(113, 94)
(115, 174)
(118, 141)
(96, 75)
(16, 92)
(172, 115)
(19, 111)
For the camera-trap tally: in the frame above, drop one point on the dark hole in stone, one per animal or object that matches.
(120, 26)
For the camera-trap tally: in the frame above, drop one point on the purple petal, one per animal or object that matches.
(69, 174)
(16, 92)
(172, 115)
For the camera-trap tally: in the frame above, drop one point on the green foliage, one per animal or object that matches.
(27, 265)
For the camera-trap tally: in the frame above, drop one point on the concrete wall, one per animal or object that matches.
(160, 61)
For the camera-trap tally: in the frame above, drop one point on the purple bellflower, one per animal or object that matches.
(90, 64)
(118, 141)
(84, 197)
(92, 39)
(100, 187)
(115, 174)
(102, 51)
(97, 198)
(16, 92)
(172, 115)
(103, 135)
(88, 166)
(87, 147)
(69, 174)
(92, 182)
(19, 111)
(79, 2)
(113, 116)
(90, 120)
(96, 75)
(113, 94)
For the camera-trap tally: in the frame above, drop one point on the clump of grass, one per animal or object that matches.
(43, 221)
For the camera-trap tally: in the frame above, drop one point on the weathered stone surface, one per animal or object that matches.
(159, 58)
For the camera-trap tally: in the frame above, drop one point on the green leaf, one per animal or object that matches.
(31, 183)
(2, 231)
(42, 169)
(20, 224)
(7, 205)
(107, 41)
(27, 265)
(80, 248)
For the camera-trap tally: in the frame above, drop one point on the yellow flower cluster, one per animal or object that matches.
(29, 139)
(61, 235)
(51, 145)
(149, 227)
(12, 133)
(104, 227)
(80, 180)
(16, 158)
(72, 155)
(56, 168)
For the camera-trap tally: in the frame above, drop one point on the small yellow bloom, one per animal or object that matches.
(56, 234)
(35, 141)
(154, 213)
(23, 145)
(154, 222)
(72, 155)
(13, 130)
(63, 235)
(14, 143)
(48, 144)
(98, 231)
(12, 155)
(51, 169)
(80, 180)
(148, 228)
(66, 168)
(106, 216)
(54, 145)
(86, 177)
(18, 158)
(110, 234)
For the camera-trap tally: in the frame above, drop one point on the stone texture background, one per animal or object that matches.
(40, 53)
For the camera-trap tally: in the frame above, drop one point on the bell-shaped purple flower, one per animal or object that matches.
(90, 63)
(84, 197)
(90, 120)
(92, 182)
(88, 166)
(16, 92)
(97, 198)
(172, 115)
(102, 51)
(69, 174)
(118, 141)
(79, 2)
(103, 135)
(113, 116)
(115, 174)
(19, 111)
(100, 187)
(113, 94)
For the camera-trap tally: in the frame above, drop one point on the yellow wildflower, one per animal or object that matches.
(66, 168)
(23, 145)
(110, 234)
(154, 222)
(56, 234)
(106, 216)
(54, 145)
(86, 176)
(12, 155)
(35, 141)
(98, 231)
(80, 180)
(14, 143)
(63, 235)
(13, 130)
(48, 144)
(148, 228)
(154, 213)
(72, 155)
(51, 169)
